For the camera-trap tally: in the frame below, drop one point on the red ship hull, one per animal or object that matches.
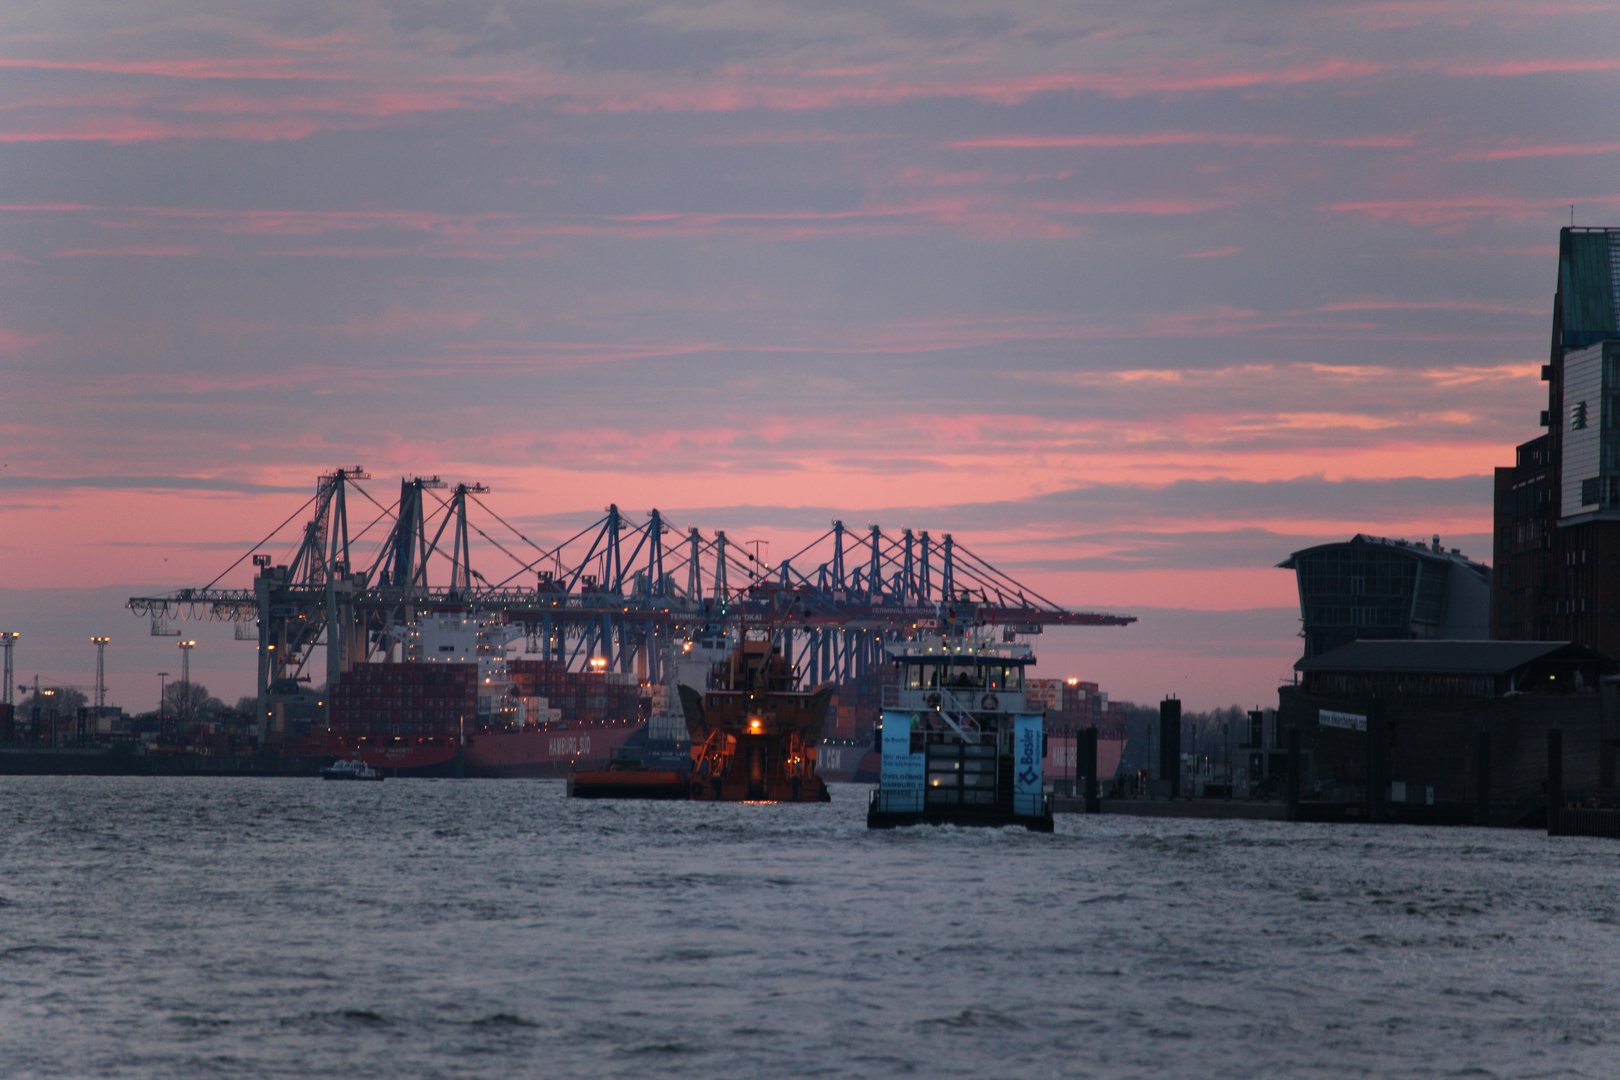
(437, 758)
(547, 751)
(544, 752)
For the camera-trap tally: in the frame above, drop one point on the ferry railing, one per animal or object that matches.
(963, 699)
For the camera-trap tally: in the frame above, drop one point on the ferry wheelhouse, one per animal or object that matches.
(960, 744)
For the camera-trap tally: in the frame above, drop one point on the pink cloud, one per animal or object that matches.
(1517, 68)
(1432, 305)
(1153, 138)
(196, 67)
(1508, 153)
(13, 343)
(407, 320)
(1458, 211)
(150, 250)
(1149, 206)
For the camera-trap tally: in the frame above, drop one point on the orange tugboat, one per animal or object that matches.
(754, 736)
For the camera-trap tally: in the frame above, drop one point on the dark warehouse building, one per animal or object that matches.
(1453, 730)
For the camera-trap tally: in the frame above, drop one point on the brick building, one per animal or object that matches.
(1557, 508)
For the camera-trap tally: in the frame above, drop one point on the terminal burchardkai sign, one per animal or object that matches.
(1346, 720)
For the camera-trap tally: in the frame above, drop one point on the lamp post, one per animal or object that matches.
(50, 711)
(185, 680)
(101, 677)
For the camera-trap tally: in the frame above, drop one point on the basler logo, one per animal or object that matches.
(1028, 757)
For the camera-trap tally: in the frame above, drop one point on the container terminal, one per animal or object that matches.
(412, 659)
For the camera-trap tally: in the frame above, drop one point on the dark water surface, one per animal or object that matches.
(248, 928)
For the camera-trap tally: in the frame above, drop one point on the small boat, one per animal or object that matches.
(350, 770)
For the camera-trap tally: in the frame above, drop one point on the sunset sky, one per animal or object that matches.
(1134, 299)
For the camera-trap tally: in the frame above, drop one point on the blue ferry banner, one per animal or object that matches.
(1027, 788)
(900, 783)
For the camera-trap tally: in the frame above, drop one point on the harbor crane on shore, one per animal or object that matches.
(614, 593)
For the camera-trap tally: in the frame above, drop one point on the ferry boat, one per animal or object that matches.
(960, 744)
(860, 761)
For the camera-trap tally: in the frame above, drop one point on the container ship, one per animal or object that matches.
(457, 706)
(423, 720)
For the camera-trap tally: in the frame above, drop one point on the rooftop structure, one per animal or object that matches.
(1455, 668)
(1370, 587)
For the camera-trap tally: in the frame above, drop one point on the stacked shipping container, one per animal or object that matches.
(405, 700)
(576, 696)
(858, 703)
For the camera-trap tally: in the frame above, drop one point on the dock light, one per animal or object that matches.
(753, 726)
(1074, 682)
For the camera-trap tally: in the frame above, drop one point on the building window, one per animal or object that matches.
(1590, 490)
(1507, 613)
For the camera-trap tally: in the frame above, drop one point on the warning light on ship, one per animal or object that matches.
(1074, 682)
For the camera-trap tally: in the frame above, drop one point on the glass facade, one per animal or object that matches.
(1370, 588)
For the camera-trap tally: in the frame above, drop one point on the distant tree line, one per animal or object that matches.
(188, 701)
(1205, 734)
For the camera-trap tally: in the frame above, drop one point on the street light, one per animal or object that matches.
(50, 711)
(185, 680)
(101, 673)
